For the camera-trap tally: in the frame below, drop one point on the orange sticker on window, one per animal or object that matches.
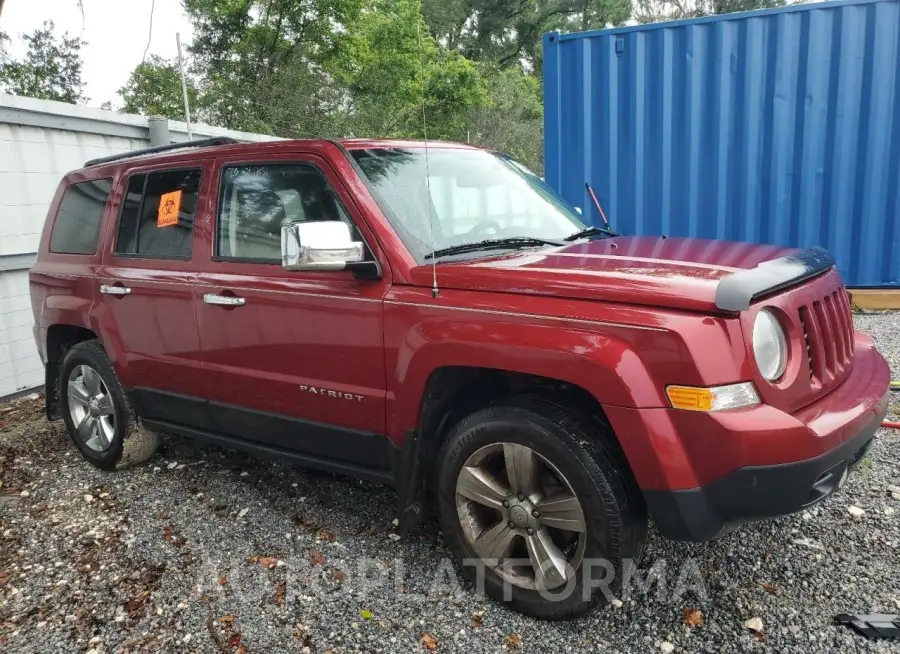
(169, 205)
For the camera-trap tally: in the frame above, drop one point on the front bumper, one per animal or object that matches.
(703, 473)
(755, 492)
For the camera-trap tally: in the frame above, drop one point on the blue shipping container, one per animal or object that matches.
(778, 126)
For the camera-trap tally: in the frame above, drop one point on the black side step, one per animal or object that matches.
(377, 475)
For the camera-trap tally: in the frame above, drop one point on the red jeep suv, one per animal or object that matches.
(434, 317)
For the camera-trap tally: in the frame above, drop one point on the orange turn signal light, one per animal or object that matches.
(690, 398)
(714, 398)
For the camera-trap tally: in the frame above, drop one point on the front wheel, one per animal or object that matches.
(537, 509)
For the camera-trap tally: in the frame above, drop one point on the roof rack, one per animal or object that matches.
(216, 140)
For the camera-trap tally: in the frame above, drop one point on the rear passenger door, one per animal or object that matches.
(146, 293)
(297, 359)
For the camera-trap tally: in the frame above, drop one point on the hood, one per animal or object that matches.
(680, 273)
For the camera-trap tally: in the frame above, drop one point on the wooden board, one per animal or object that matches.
(875, 298)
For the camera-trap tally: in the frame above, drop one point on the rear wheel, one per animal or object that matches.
(96, 411)
(91, 408)
(534, 496)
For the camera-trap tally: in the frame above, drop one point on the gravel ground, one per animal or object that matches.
(203, 550)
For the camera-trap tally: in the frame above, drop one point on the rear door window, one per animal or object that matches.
(157, 218)
(77, 223)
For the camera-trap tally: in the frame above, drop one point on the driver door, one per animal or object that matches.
(295, 358)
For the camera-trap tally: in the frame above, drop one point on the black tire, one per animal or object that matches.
(615, 516)
(131, 443)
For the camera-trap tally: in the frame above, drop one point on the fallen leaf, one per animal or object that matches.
(325, 534)
(513, 641)
(366, 614)
(301, 633)
(280, 588)
(223, 580)
(227, 619)
(808, 542)
(754, 624)
(692, 617)
(758, 635)
(240, 650)
(134, 606)
(316, 557)
(234, 641)
(264, 561)
(478, 619)
(769, 588)
(170, 536)
(5, 576)
(429, 642)
(337, 575)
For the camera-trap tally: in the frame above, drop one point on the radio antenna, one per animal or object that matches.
(434, 284)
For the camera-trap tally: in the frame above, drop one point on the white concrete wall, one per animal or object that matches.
(20, 366)
(40, 141)
(32, 161)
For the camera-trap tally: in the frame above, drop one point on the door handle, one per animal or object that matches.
(109, 289)
(223, 300)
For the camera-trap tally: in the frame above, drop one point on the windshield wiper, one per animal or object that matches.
(591, 231)
(493, 244)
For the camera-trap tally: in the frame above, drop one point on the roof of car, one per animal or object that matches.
(190, 149)
(367, 144)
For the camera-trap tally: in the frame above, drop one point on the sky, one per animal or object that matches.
(116, 31)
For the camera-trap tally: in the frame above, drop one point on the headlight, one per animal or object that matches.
(769, 345)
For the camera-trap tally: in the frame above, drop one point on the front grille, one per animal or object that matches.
(828, 332)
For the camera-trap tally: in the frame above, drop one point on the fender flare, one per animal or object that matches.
(601, 363)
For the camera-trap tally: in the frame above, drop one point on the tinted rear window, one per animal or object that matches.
(77, 224)
(157, 218)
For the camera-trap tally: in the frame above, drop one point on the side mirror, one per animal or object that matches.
(324, 245)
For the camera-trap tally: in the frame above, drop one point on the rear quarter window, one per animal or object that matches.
(77, 224)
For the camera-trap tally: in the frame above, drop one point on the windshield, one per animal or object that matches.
(474, 195)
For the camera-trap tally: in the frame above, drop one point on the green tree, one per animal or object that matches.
(302, 68)
(651, 11)
(596, 14)
(50, 70)
(508, 32)
(261, 62)
(710, 7)
(154, 89)
(391, 65)
(513, 120)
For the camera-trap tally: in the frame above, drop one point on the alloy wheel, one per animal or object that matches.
(91, 408)
(520, 515)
